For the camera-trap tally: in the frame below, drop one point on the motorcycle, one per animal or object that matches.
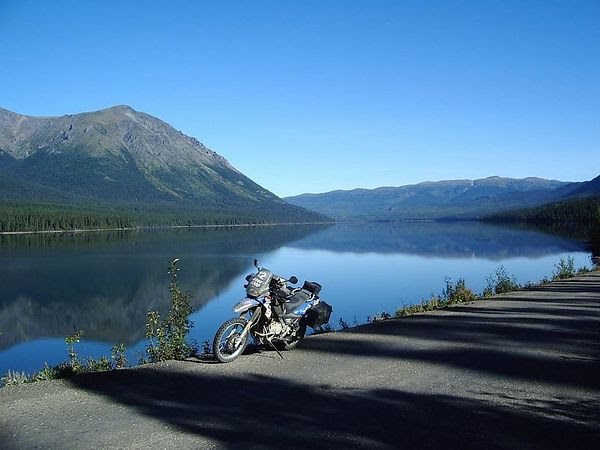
(272, 313)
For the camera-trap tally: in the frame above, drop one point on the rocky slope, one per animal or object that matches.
(120, 156)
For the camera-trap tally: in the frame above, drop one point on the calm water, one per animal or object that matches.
(104, 283)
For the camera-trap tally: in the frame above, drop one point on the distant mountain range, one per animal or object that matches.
(453, 199)
(119, 156)
(588, 189)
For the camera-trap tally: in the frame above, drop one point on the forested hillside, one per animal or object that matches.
(119, 168)
(31, 217)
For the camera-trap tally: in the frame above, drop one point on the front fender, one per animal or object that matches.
(245, 304)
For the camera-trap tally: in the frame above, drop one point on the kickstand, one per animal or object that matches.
(275, 348)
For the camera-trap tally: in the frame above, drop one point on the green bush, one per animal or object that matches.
(47, 373)
(74, 361)
(98, 365)
(500, 283)
(457, 292)
(117, 354)
(433, 303)
(168, 336)
(103, 364)
(565, 268)
(452, 294)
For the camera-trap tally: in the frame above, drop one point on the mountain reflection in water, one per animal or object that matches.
(439, 239)
(105, 283)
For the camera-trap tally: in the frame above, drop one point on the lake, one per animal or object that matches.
(104, 283)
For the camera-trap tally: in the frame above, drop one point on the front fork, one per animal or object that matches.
(254, 318)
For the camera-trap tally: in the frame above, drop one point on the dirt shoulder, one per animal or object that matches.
(517, 371)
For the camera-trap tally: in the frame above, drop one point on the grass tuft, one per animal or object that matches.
(14, 378)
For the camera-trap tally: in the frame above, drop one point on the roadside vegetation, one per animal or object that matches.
(167, 336)
(457, 292)
(75, 365)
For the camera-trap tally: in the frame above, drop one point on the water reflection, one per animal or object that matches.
(437, 239)
(105, 283)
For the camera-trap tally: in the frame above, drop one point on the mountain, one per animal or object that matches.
(462, 199)
(122, 157)
(578, 205)
(588, 189)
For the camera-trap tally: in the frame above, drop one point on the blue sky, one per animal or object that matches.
(312, 96)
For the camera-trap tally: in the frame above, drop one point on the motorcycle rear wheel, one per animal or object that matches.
(228, 343)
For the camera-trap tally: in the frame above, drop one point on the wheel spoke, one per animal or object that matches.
(228, 343)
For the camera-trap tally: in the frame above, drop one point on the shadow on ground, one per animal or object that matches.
(535, 343)
(519, 338)
(259, 411)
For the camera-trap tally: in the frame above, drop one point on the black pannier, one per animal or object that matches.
(318, 315)
(312, 286)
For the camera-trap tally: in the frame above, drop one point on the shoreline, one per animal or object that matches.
(163, 227)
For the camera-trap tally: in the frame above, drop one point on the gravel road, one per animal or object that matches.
(518, 371)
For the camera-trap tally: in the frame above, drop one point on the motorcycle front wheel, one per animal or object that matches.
(228, 343)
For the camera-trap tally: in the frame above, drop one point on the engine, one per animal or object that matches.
(277, 328)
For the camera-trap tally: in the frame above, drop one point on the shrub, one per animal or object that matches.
(207, 348)
(500, 283)
(47, 373)
(379, 317)
(70, 342)
(457, 292)
(565, 268)
(98, 365)
(583, 270)
(103, 364)
(117, 354)
(434, 302)
(452, 294)
(343, 324)
(168, 336)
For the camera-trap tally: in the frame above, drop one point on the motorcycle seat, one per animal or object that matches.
(299, 297)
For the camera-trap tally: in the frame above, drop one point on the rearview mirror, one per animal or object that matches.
(256, 263)
(249, 277)
(293, 279)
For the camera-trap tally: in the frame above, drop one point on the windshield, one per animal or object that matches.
(259, 284)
